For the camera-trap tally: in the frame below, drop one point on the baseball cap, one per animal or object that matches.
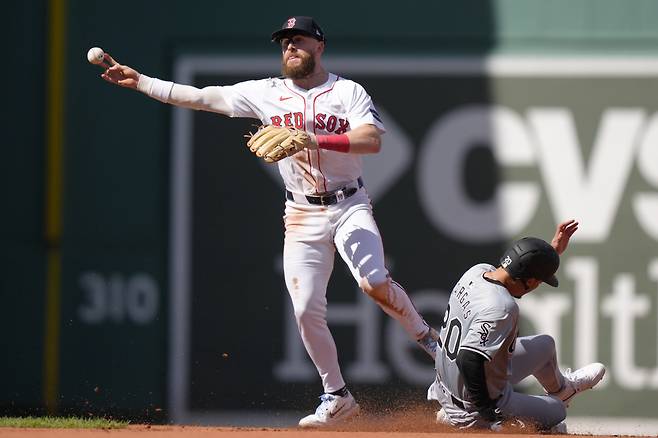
(299, 25)
(531, 257)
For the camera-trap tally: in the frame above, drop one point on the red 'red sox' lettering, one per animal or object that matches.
(319, 121)
(288, 119)
(343, 126)
(332, 124)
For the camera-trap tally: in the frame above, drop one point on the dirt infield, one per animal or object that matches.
(227, 432)
(414, 422)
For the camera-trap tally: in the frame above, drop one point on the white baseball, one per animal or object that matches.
(95, 55)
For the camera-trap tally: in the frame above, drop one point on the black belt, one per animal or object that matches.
(330, 198)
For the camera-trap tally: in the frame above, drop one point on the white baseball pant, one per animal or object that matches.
(312, 235)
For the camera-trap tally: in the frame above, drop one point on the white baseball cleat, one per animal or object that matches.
(442, 417)
(429, 342)
(580, 380)
(333, 409)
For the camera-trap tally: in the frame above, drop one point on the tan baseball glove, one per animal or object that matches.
(274, 143)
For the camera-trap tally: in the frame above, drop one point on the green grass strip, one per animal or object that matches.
(63, 423)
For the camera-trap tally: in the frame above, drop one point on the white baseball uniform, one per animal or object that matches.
(314, 232)
(482, 317)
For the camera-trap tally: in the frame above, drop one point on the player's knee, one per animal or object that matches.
(558, 413)
(377, 291)
(547, 342)
(305, 316)
(551, 415)
(300, 314)
(563, 414)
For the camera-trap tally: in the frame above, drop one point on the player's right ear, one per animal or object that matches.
(530, 284)
(321, 48)
(533, 283)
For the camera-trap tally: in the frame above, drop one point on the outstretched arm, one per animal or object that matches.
(186, 96)
(121, 75)
(562, 235)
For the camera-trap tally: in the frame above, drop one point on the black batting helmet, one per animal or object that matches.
(531, 258)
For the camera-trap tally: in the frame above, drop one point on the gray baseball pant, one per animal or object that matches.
(535, 356)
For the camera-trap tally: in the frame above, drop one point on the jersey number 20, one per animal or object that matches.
(451, 341)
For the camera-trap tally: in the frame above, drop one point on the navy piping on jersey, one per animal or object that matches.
(324, 178)
(490, 280)
(308, 153)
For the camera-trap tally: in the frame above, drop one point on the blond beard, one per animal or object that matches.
(301, 71)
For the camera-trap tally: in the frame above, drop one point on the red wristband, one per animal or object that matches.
(336, 142)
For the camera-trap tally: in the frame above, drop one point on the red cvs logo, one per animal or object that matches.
(291, 23)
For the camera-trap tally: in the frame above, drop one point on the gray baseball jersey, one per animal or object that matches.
(481, 317)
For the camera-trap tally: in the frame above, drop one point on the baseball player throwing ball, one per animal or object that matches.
(480, 356)
(318, 126)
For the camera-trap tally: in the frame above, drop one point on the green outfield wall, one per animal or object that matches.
(141, 272)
